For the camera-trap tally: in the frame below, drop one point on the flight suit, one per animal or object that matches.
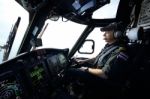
(113, 60)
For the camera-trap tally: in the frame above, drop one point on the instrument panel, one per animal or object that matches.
(32, 75)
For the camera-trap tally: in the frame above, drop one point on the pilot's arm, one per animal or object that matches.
(86, 61)
(112, 69)
(97, 72)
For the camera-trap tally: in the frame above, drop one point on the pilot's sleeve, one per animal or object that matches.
(116, 66)
(89, 62)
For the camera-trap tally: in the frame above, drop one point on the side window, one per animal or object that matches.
(97, 36)
(10, 11)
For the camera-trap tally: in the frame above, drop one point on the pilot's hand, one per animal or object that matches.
(78, 61)
(84, 69)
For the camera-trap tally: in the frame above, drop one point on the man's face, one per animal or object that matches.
(109, 37)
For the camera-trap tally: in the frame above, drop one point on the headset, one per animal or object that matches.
(118, 31)
(118, 34)
(117, 28)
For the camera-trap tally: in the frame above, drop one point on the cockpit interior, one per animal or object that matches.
(39, 73)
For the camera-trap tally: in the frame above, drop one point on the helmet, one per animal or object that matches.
(118, 29)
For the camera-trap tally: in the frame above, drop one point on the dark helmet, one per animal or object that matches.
(113, 26)
(118, 29)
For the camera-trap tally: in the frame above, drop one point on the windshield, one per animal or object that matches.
(58, 34)
(107, 11)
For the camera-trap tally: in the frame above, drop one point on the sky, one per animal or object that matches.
(11, 10)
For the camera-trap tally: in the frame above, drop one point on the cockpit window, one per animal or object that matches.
(9, 13)
(59, 34)
(107, 11)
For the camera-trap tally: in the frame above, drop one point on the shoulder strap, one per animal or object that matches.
(119, 49)
(115, 53)
(109, 51)
(101, 56)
